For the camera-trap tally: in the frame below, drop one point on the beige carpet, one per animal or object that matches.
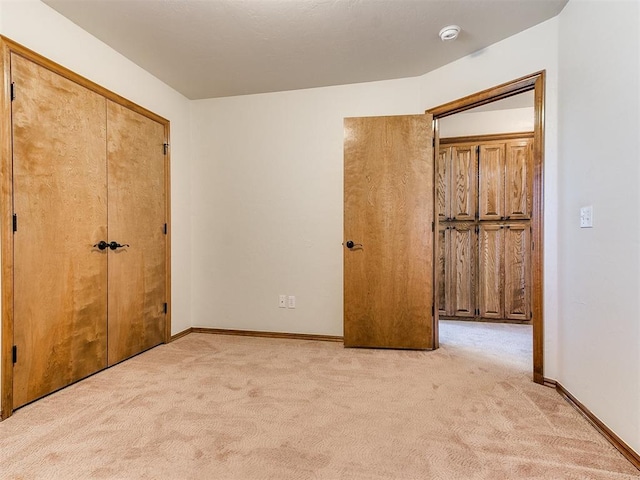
(223, 407)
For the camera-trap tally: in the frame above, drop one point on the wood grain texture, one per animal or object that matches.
(537, 230)
(464, 247)
(435, 124)
(6, 236)
(443, 181)
(137, 274)
(504, 161)
(9, 49)
(60, 308)
(491, 181)
(464, 182)
(517, 271)
(518, 179)
(443, 276)
(490, 281)
(388, 207)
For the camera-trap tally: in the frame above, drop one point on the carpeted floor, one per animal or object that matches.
(224, 407)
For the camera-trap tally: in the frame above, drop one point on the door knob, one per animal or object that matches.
(101, 245)
(116, 245)
(350, 244)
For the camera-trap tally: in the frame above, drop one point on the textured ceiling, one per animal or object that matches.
(217, 48)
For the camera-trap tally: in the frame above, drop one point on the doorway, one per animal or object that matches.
(533, 83)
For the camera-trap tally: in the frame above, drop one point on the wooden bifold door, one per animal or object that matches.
(484, 191)
(89, 201)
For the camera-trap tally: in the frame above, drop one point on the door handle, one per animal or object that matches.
(351, 245)
(116, 245)
(101, 245)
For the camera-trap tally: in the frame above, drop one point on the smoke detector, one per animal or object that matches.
(449, 33)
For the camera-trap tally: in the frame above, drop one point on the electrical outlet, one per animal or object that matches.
(282, 301)
(292, 301)
(586, 217)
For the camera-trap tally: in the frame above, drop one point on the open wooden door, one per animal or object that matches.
(388, 228)
(60, 203)
(137, 221)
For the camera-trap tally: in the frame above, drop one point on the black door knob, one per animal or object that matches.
(350, 244)
(116, 245)
(101, 245)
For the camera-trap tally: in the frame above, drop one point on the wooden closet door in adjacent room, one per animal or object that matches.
(60, 202)
(137, 219)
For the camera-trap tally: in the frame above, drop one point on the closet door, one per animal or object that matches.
(464, 244)
(491, 299)
(443, 179)
(137, 217)
(60, 199)
(491, 165)
(518, 180)
(464, 182)
(517, 257)
(443, 283)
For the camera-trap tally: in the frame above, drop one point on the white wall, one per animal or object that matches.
(267, 203)
(486, 123)
(599, 275)
(40, 28)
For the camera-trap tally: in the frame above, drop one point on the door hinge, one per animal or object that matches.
(433, 226)
(166, 148)
(433, 310)
(166, 307)
(15, 222)
(433, 142)
(13, 91)
(165, 228)
(533, 245)
(14, 354)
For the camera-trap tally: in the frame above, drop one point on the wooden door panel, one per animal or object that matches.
(442, 273)
(443, 184)
(137, 273)
(463, 278)
(490, 274)
(517, 253)
(491, 165)
(518, 180)
(60, 198)
(388, 208)
(463, 182)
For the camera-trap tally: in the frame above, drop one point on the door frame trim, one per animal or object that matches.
(535, 82)
(8, 47)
